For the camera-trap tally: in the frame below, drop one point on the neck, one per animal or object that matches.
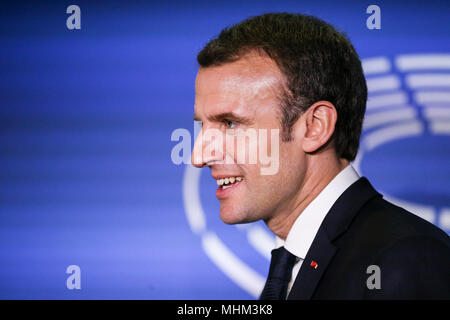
(315, 180)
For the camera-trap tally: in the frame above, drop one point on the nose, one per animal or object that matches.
(208, 148)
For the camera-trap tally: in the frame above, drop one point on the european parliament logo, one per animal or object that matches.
(404, 150)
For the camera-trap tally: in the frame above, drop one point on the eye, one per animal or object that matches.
(199, 123)
(230, 124)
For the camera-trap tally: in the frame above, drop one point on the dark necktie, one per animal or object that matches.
(279, 275)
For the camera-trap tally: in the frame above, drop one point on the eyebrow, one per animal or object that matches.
(230, 116)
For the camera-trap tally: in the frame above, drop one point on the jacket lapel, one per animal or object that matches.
(322, 249)
(313, 267)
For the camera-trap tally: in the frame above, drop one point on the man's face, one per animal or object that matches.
(244, 95)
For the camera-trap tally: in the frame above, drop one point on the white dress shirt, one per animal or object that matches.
(304, 229)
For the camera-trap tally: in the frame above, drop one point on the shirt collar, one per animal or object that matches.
(304, 229)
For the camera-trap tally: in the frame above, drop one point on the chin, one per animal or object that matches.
(231, 215)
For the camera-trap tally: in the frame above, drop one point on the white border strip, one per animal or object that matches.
(379, 118)
(422, 61)
(436, 113)
(376, 84)
(387, 100)
(427, 80)
(444, 219)
(381, 136)
(440, 126)
(376, 65)
(424, 97)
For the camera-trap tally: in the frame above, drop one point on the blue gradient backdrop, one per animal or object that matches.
(86, 117)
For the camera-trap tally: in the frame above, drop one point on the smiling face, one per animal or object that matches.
(245, 95)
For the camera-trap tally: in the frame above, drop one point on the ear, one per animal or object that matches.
(319, 121)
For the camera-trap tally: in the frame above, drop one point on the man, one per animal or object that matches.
(336, 236)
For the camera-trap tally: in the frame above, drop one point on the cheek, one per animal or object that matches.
(241, 147)
(291, 153)
(287, 169)
(291, 164)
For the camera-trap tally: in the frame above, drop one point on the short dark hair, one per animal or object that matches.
(317, 61)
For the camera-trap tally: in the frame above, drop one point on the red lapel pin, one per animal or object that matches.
(314, 264)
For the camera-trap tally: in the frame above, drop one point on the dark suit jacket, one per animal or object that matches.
(362, 229)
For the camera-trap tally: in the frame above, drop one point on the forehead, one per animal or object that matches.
(253, 80)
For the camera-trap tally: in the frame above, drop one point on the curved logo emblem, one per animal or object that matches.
(409, 97)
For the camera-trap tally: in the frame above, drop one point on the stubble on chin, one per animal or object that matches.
(235, 215)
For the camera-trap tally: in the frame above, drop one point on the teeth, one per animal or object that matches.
(225, 181)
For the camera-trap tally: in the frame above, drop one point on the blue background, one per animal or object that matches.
(86, 117)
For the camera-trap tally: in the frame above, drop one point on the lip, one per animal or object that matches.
(223, 194)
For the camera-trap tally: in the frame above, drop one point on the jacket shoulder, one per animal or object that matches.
(392, 223)
(413, 254)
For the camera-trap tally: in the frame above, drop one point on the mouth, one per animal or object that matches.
(227, 186)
